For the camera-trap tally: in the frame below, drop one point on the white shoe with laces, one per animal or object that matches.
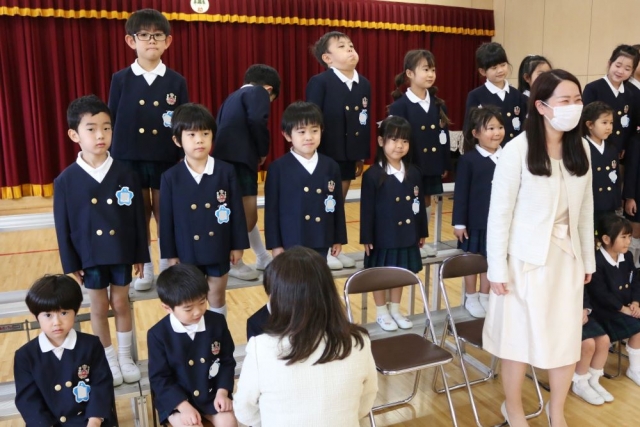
(130, 371)
(473, 306)
(633, 376)
(346, 261)
(402, 321)
(146, 282)
(333, 262)
(243, 272)
(387, 323)
(427, 251)
(116, 373)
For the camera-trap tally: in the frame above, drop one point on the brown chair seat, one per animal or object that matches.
(392, 355)
(470, 331)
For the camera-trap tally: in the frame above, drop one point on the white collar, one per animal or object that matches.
(493, 156)
(138, 70)
(208, 169)
(495, 89)
(600, 147)
(526, 93)
(191, 330)
(344, 78)
(609, 259)
(303, 160)
(392, 171)
(90, 169)
(634, 82)
(415, 98)
(615, 91)
(246, 85)
(269, 306)
(68, 344)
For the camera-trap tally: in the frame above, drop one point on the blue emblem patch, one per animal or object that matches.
(329, 204)
(81, 392)
(124, 196)
(223, 214)
(166, 119)
(362, 117)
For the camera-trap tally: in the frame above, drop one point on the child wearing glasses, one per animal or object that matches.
(142, 99)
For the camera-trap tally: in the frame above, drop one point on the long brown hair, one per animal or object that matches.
(306, 308)
(573, 155)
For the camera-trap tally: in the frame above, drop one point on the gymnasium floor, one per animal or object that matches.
(27, 255)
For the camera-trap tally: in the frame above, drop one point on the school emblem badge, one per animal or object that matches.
(124, 196)
(81, 392)
(83, 371)
(221, 195)
(365, 102)
(223, 213)
(331, 186)
(363, 117)
(516, 110)
(330, 204)
(215, 348)
(171, 99)
(200, 6)
(166, 118)
(416, 191)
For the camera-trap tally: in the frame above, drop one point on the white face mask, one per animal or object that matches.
(565, 117)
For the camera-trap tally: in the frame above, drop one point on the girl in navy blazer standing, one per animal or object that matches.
(530, 68)
(393, 222)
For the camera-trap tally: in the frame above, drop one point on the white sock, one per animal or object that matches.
(473, 296)
(428, 209)
(148, 267)
(110, 352)
(483, 297)
(381, 310)
(634, 358)
(221, 310)
(394, 308)
(124, 345)
(581, 379)
(164, 263)
(595, 375)
(255, 241)
(635, 250)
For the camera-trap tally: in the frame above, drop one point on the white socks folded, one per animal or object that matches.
(221, 310)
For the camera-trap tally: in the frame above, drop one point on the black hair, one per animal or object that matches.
(191, 116)
(479, 118)
(612, 225)
(306, 308)
(322, 45)
(628, 52)
(88, 104)
(527, 67)
(55, 292)
(147, 19)
(261, 74)
(574, 157)
(393, 127)
(181, 284)
(301, 113)
(411, 61)
(490, 54)
(592, 112)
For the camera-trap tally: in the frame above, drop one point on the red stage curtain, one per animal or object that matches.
(47, 62)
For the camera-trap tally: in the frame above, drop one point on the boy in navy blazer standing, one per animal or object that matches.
(242, 139)
(191, 364)
(344, 96)
(142, 99)
(99, 220)
(203, 218)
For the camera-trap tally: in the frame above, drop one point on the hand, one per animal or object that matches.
(138, 270)
(262, 160)
(359, 167)
(188, 415)
(587, 278)
(336, 249)
(461, 234)
(367, 248)
(94, 422)
(626, 310)
(173, 261)
(585, 316)
(445, 174)
(630, 207)
(499, 288)
(635, 309)
(236, 256)
(421, 242)
(79, 276)
(277, 251)
(222, 403)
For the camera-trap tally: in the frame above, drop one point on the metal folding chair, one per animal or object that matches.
(468, 332)
(400, 353)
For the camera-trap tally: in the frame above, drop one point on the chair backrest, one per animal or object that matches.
(463, 265)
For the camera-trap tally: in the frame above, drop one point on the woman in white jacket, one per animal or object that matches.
(540, 246)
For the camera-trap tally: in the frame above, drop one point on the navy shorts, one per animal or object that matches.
(101, 276)
(247, 179)
(149, 173)
(215, 270)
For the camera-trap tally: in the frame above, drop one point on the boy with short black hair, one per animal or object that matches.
(99, 220)
(50, 389)
(344, 96)
(243, 140)
(191, 364)
(142, 99)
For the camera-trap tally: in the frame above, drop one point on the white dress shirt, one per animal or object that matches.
(496, 90)
(308, 164)
(190, 330)
(208, 169)
(96, 173)
(149, 76)
(399, 174)
(615, 91)
(345, 79)
(424, 103)
(610, 260)
(600, 147)
(69, 343)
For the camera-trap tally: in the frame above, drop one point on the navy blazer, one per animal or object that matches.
(392, 213)
(431, 156)
(347, 116)
(474, 178)
(623, 109)
(243, 133)
(257, 321)
(179, 366)
(631, 187)
(606, 191)
(141, 115)
(612, 287)
(294, 211)
(190, 229)
(45, 385)
(92, 226)
(513, 107)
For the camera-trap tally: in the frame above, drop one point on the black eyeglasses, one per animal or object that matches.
(145, 37)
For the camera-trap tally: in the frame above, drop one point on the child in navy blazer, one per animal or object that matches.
(344, 96)
(203, 217)
(142, 99)
(492, 63)
(242, 139)
(474, 177)
(99, 218)
(303, 195)
(257, 321)
(530, 68)
(427, 116)
(191, 364)
(62, 376)
(393, 222)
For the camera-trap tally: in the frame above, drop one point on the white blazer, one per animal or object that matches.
(523, 208)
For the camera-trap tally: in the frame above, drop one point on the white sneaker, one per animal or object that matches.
(484, 301)
(115, 372)
(347, 262)
(473, 306)
(146, 282)
(427, 251)
(243, 272)
(130, 371)
(634, 376)
(333, 262)
(583, 390)
(608, 397)
(387, 323)
(401, 321)
(163, 265)
(263, 261)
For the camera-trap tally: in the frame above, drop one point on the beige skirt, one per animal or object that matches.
(539, 322)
